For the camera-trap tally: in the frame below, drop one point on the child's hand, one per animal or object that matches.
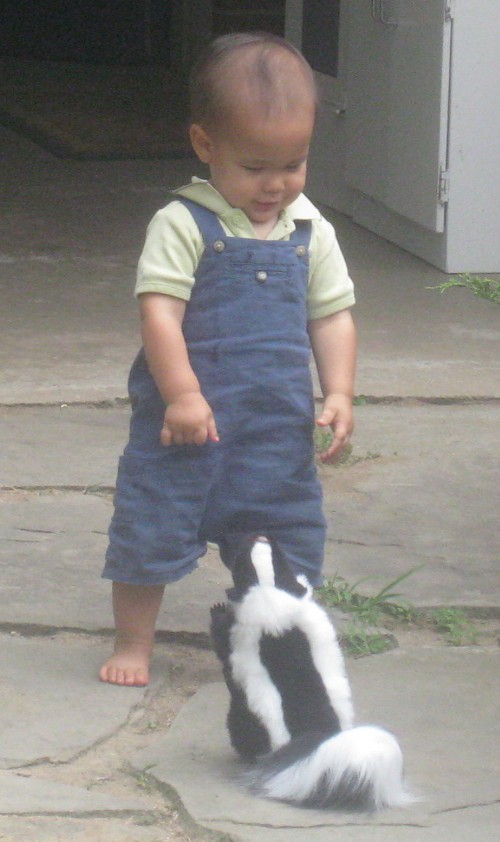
(188, 420)
(337, 413)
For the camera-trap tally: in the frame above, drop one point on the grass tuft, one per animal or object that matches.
(456, 628)
(363, 637)
(337, 593)
(487, 288)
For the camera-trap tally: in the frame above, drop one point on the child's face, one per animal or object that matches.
(258, 165)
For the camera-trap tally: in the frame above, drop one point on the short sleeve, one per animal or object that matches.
(171, 253)
(330, 287)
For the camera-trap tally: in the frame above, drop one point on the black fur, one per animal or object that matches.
(302, 690)
(290, 710)
(248, 735)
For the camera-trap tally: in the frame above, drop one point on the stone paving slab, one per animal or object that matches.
(85, 828)
(429, 496)
(53, 548)
(68, 445)
(52, 707)
(481, 826)
(427, 697)
(64, 343)
(423, 491)
(413, 341)
(21, 794)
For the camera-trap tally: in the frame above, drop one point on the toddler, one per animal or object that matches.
(239, 278)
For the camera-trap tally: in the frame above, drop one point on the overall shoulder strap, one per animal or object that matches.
(302, 234)
(206, 220)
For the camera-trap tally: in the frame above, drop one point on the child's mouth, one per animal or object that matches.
(266, 206)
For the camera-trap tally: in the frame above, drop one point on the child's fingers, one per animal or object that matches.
(213, 435)
(326, 418)
(337, 414)
(189, 435)
(341, 432)
(340, 441)
(333, 452)
(166, 437)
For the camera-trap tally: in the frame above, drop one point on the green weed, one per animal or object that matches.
(363, 638)
(337, 593)
(455, 627)
(487, 288)
(322, 441)
(144, 780)
(359, 642)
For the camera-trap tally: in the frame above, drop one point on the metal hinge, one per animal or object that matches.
(449, 9)
(444, 186)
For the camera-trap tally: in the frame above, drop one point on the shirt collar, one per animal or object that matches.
(202, 192)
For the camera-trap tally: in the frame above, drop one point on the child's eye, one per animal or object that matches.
(252, 169)
(294, 167)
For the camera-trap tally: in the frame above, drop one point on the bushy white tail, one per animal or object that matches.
(357, 769)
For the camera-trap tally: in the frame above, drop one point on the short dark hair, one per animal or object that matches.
(270, 62)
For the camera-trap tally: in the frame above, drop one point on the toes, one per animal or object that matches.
(124, 677)
(141, 678)
(110, 675)
(105, 674)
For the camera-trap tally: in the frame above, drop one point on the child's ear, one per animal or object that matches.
(201, 142)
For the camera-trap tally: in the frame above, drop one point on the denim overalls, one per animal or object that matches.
(246, 331)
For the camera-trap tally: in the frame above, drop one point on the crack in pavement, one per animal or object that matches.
(105, 813)
(92, 488)
(318, 826)
(461, 807)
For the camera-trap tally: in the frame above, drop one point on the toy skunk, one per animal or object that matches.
(290, 710)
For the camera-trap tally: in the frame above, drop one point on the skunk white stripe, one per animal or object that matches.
(268, 610)
(327, 658)
(262, 696)
(262, 560)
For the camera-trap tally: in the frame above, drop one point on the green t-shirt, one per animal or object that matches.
(174, 246)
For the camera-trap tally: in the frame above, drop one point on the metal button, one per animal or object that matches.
(261, 277)
(219, 245)
(301, 251)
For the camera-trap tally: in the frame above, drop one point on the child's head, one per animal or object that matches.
(253, 105)
(250, 73)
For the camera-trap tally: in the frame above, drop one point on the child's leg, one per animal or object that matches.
(135, 609)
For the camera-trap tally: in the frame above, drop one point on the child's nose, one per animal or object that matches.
(274, 183)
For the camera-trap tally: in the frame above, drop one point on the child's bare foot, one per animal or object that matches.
(135, 608)
(128, 665)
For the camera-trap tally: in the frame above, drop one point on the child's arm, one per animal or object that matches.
(188, 417)
(333, 341)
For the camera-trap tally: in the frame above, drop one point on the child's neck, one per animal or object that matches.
(263, 229)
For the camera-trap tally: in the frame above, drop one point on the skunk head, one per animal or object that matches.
(260, 561)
